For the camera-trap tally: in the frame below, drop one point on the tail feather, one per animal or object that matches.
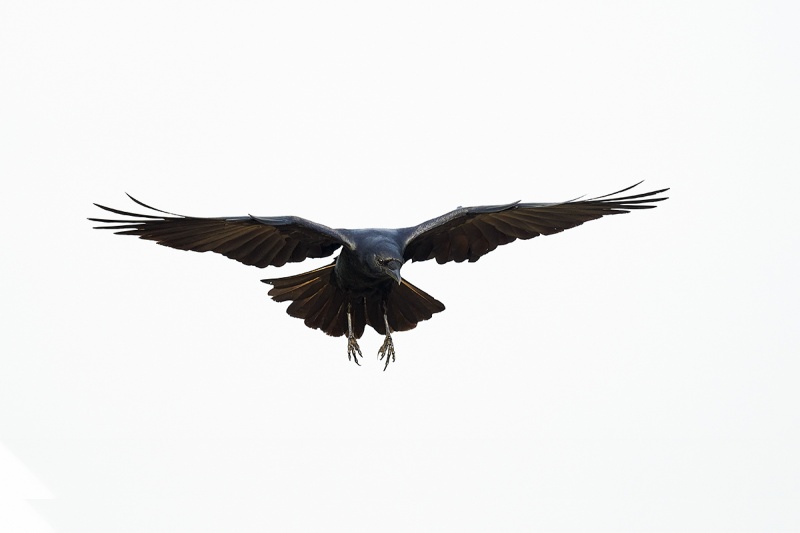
(406, 314)
(310, 303)
(292, 287)
(374, 308)
(334, 320)
(321, 304)
(359, 316)
(407, 306)
(315, 299)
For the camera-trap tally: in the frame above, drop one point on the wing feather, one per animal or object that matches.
(459, 248)
(487, 227)
(258, 241)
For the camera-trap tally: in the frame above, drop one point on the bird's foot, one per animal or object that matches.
(387, 351)
(353, 350)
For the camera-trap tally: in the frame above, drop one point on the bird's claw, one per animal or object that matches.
(353, 350)
(387, 350)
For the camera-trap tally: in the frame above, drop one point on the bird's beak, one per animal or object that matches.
(396, 275)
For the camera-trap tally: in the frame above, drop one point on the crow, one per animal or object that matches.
(363, 285)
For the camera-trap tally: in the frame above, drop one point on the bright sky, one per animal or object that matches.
(638, 373)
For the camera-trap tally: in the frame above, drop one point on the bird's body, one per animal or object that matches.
(363, 286)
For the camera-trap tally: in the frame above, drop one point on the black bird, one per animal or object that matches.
(363, 285)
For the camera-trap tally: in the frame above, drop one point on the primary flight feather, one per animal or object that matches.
(363, 285)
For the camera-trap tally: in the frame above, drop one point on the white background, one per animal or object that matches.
(638, 373)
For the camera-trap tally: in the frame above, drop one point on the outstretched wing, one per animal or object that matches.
(468, 233)
(257, 241)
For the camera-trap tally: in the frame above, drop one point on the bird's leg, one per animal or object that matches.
(353, 350)
(387, 349)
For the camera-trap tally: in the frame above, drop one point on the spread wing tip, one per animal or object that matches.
(151, 207)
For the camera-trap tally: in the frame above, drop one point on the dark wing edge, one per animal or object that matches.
(469, 233)
(252, 240)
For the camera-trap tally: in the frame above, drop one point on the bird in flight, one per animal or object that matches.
(363, 285)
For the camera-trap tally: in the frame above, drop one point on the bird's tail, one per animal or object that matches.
(322, 305)
(406, 306)
(315, 299)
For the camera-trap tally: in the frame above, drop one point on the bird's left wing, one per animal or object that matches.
(469, 233)
(257, 241)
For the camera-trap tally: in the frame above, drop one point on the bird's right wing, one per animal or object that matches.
(257, 241)
(468, 233)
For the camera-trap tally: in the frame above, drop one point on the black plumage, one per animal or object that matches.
(363, 285)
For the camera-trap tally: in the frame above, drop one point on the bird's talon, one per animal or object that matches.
(387, 350)
(353, 350)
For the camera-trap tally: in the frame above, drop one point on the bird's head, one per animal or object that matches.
(386, 265)
(378, 254)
